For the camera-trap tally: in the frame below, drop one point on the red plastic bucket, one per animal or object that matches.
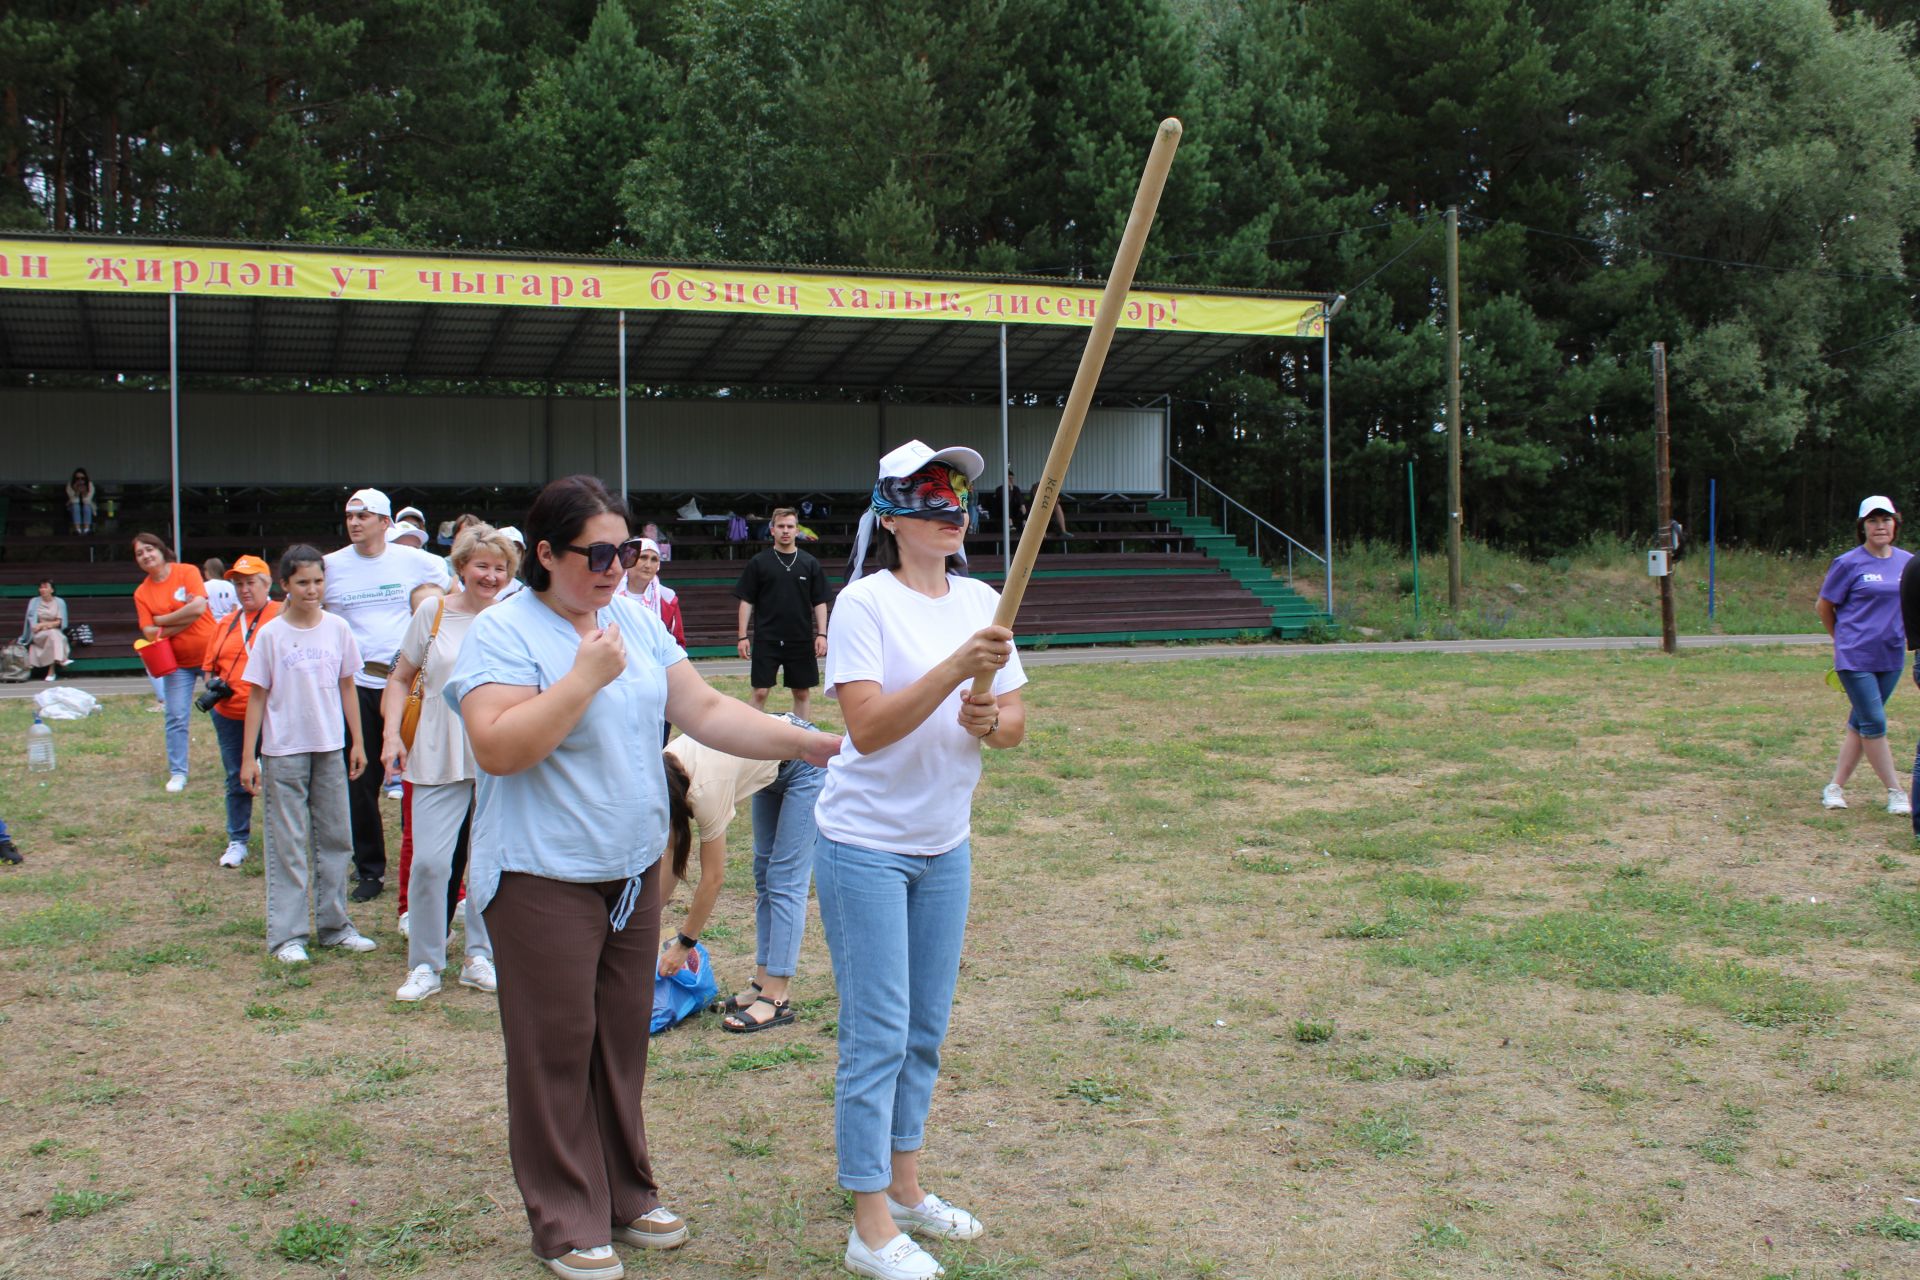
(158, 657)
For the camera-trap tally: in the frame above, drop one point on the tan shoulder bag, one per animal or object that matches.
(410, 718)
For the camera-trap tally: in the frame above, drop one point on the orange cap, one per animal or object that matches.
(248, 566)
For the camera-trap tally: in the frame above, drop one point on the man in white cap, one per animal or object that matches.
(375, 586)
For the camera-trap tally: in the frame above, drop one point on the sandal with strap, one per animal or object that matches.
(741, 1023)
(732, 1003)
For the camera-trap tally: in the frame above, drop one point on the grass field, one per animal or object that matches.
(1325, 966)
(1601, 589)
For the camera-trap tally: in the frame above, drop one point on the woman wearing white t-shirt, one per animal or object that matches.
(440, 763)
(893, 862)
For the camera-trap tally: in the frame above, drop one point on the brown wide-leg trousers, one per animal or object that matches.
(575, 1001)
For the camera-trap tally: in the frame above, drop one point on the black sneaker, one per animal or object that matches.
(366, 891)
(9, 854)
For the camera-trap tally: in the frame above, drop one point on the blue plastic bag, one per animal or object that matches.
(684, 994)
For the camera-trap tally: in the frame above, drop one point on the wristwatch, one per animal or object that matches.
(685, 941)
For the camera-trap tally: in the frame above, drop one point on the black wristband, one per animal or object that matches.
(685, 941)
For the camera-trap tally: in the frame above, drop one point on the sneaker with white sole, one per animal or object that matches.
(291, 953)
(898, 1259)
(1898, 803)
(353, 940)
(597, 1263)
(936, 1218)
(235, 855)
(177, 783)
(478, 973)
(1832, 797)
(401, 927)
(661, 1228)
(421, 983)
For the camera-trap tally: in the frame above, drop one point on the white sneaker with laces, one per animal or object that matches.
(479, 974)
(935, 1217)
(402, 926)
(597, 1263)
(354, 941)
(1832, 797)
(177, 782)
(898, 1259)
(420, 984)
(235, 855)
(291, 953)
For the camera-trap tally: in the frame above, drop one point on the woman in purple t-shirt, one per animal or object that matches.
(1859, 605)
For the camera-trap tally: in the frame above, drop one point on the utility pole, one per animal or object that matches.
(1453, 409)
(1663, 481)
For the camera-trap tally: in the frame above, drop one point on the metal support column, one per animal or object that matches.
(173, 413)
(623, 406)
(1006, 462)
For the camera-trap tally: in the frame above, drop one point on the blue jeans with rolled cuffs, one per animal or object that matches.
(894, 923)
(783, 841)
(1868, 691)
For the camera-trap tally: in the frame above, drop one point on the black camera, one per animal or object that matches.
(216, 692)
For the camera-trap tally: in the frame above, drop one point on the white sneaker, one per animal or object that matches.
(235, 855)
(935, 1217)
(898, 1259)
(597, 1263)
(177, 782)
(291, 953)
(1832, 797)
(420, 984)
(394, 793)
(478, 973)
(401, 927)
(1897, 802)
(49, 675)
(354, 941)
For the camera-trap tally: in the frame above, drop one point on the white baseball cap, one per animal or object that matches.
(1878, 502)
(414, 514)
(913, 455)
(370, 500)
(409, 534)
(512, 534)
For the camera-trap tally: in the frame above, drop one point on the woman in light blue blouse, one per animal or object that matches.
(561, 687)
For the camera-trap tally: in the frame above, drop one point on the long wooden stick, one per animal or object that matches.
(1112, 301)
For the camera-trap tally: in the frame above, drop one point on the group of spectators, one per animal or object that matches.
(511, 687)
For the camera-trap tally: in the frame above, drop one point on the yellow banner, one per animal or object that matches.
(131, 267)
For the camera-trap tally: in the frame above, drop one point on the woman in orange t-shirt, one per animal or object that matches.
(227, 662)
(172, 603)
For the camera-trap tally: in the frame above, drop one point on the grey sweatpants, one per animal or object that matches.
(438, 811)
(307, 824)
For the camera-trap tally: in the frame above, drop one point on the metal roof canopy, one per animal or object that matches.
(88, 304)
(75, 323)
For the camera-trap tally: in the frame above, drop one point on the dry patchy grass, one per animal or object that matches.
(1370, 966)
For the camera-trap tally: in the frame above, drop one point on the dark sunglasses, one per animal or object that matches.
(601, 555)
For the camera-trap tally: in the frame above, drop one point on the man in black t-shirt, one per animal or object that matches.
(783, 615)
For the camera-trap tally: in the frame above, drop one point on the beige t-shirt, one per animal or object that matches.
(440, 753)
(720, 783)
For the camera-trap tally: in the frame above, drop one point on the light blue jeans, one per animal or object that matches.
(783, 842)
(177, 690)
(894, 925)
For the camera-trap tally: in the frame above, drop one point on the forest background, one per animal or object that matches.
(1735, 178)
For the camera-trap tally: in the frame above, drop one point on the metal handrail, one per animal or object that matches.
(1259, 521)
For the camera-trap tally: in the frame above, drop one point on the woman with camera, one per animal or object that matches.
(225, 697)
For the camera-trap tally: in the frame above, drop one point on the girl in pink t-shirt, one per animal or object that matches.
(301, 664)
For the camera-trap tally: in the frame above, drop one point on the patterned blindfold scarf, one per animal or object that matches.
(934, 492)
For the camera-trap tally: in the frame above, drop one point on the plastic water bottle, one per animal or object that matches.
(40, 747)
